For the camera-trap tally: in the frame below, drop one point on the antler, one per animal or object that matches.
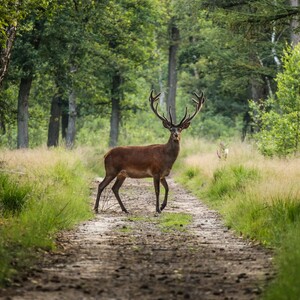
(199, 102)
(185, 120)
(152, 100)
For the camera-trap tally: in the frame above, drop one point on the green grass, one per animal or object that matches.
(139, 218)
(257, 197)
(125, 229)
(286, 285)
(228, 181)
(48, 197)
(13, 195)
(174, 221)
(166, 221)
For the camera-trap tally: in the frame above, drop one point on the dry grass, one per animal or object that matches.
(29, 160)
(279, 177)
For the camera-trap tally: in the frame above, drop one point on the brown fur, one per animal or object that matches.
(146, 161)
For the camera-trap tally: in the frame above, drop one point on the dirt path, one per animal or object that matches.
(112, 257)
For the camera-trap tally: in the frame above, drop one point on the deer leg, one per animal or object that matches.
(102, 185)
(165, 185)
(156, 186)
(116, 187)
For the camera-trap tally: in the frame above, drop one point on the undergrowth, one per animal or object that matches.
(257, 197)
(41, 192)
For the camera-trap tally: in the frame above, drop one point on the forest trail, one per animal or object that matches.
(115, 257)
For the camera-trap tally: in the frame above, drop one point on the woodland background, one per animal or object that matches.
(80, 72)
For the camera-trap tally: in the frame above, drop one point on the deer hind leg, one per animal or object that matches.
(116, 187)
(156, 181)
(165, 185)
(102, 185)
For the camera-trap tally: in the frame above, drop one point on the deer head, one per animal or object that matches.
(185, 122)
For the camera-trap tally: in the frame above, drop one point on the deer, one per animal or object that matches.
(154, 161)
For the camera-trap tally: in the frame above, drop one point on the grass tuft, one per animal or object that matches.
(230, 180)
(13, 195)
(174, 221)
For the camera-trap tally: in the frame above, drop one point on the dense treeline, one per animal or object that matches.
(82, 70)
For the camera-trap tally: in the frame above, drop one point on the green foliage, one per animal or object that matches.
(215, 127)
(81, 45)
(279, 119)
(46, 201)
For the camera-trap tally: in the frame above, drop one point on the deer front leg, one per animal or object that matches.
(116, 187)
(156, 181)
(105, 182)
(165, 185)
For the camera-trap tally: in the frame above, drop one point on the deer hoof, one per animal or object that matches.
(96, 210)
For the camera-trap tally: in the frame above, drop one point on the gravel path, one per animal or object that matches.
(115, 256)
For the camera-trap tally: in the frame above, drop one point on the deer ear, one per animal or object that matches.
(185, 125)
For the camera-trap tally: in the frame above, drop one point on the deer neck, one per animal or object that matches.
(172, 148)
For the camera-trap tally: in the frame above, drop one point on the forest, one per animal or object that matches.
(80, 72)
(75, 79)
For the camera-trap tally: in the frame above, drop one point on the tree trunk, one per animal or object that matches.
(258, 92)
(295, 36)
(172, 70)
(5, 51)
(115, 110)
(53, 130)
(28, 68)
(64, 118)
(259, 89)
(24, 90)
(70, 138)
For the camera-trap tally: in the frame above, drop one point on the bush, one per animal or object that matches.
(278, 119)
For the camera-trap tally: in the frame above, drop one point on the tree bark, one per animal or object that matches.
(5, 51)
(28, 67)
(115, 110)
(70, 138)
(64, 118)
(24, 90)
(259, 89)
(172, 70)
(53, 130)
(295, 36)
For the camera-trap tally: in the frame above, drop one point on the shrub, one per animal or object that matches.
(278, 119)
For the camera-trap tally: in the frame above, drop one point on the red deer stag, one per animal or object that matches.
(147, 161)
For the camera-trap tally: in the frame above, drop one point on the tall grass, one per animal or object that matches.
(258, 197)
(41, 192)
